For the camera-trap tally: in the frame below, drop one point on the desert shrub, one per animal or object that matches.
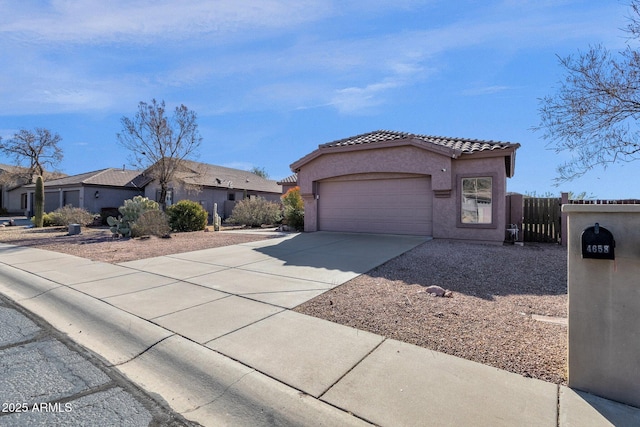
(151, 223)
(4, 211)
(255, 212)
(293, 208)
(187, 215)
(70, 215)
(129, 214)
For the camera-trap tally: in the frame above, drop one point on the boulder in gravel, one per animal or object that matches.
(435, 290)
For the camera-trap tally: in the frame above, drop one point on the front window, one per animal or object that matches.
(168, 200)
(476, 206)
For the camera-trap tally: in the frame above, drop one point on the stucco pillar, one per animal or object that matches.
(310, 212)
(604, 304)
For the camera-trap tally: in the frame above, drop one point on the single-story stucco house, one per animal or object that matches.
(9, 182)
(13, 179)
(403, 183)
(209, 184)
(93, 191)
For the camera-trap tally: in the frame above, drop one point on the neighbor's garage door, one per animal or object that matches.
(392, 206)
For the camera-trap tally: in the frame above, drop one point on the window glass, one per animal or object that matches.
(476, 200)
(168, 200)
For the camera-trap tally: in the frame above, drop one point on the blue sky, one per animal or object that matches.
(272, 79)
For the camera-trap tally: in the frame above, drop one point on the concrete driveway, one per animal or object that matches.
(282, 272)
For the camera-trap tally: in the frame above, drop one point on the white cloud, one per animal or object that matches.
(485, 90)
(287, 54)
(144, 21)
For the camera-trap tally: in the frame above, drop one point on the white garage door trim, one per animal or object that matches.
(389, 205)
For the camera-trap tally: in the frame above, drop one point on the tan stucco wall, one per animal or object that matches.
(604, 305)
(443, 170)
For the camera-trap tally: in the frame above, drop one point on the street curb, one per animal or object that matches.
(197, 382)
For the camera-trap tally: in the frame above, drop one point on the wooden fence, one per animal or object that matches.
(541, 220)
(542, 217)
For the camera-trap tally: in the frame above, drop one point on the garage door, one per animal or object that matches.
(392, 206)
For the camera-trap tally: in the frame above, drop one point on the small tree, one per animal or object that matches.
(158, 143)
(39, 148)
(261, 172)
(293, 208)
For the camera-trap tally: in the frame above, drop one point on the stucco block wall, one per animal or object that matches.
(13, 199)
(604, 305)
(108, 197)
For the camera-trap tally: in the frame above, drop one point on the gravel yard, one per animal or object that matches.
(98, 245)
(488, 319)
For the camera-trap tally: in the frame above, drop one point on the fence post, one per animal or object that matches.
(564, 200)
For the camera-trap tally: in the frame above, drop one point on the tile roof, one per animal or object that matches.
(219, 176)
(463, 145)
(111, 177)
(291, 179)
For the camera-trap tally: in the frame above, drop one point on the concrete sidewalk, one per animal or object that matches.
(211, 332)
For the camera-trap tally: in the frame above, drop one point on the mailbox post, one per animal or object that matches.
(603, 271)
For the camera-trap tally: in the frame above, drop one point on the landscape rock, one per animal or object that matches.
(435, 290)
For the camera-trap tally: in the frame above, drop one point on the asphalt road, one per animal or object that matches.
(48, 380)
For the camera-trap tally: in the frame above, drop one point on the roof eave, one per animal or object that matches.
(415, 142)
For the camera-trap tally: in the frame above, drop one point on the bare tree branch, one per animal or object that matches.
(159, 144)
(38, 148)
(595, 110)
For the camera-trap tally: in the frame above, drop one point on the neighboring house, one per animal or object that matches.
(289, 182)
(402, 183)
(209, 184)
(8, 183)
(12, 179)
(93, 191)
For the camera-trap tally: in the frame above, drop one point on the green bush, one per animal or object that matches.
(187, 215)
(151, 223)
(293, 208)
(48, 220)
(255, 212)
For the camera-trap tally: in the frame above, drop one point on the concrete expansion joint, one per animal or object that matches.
(352, 368)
